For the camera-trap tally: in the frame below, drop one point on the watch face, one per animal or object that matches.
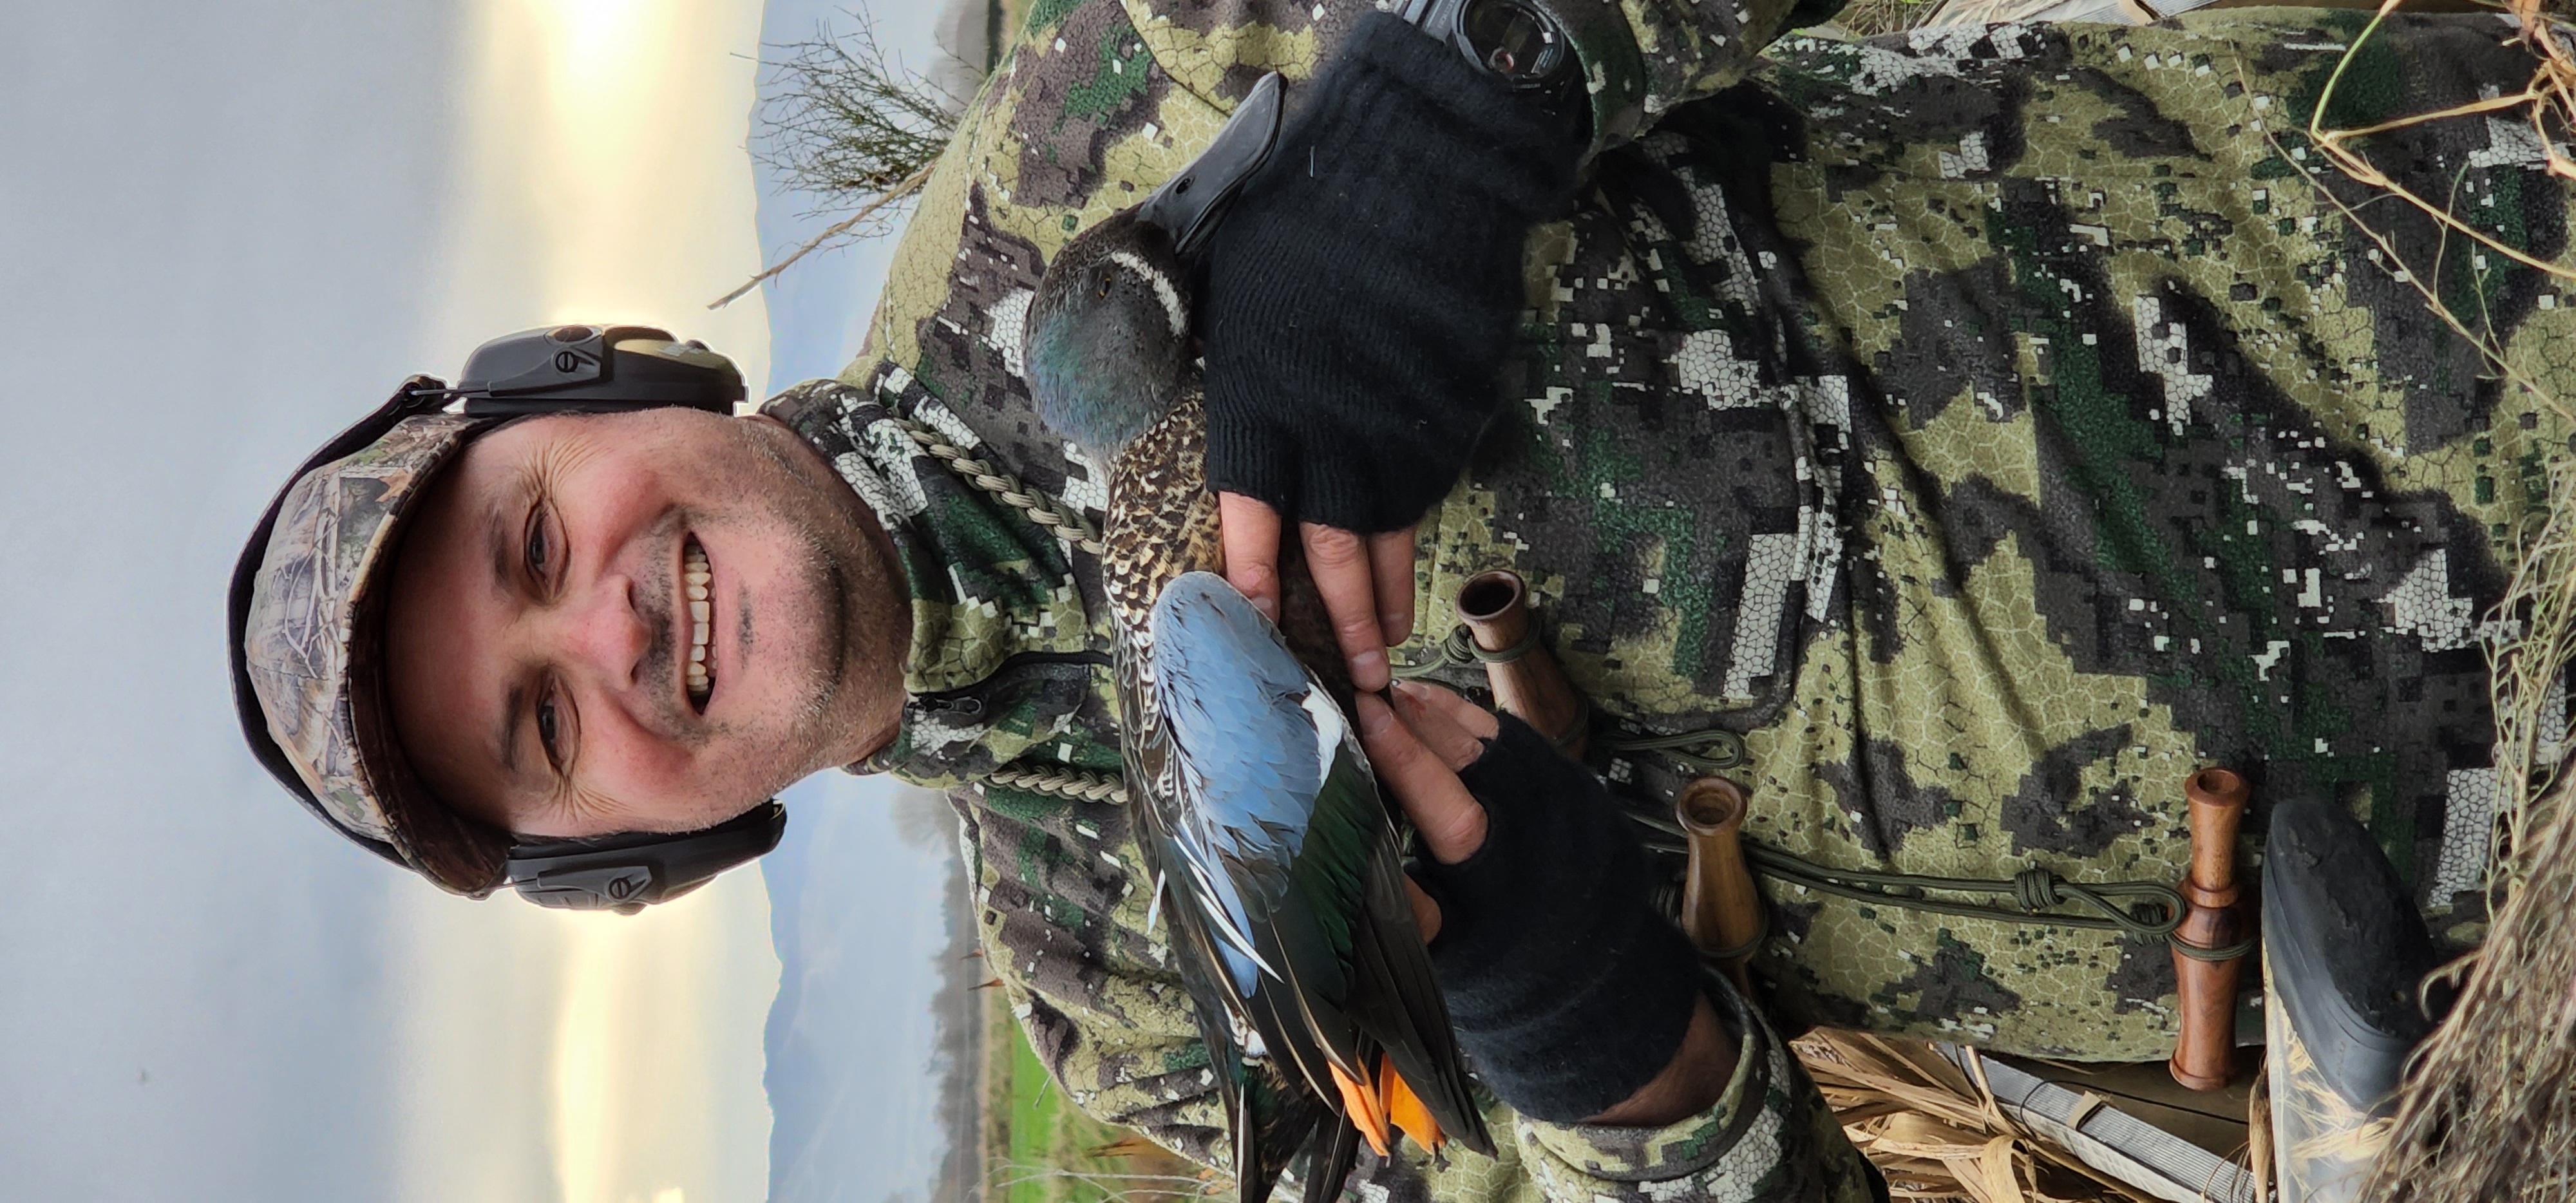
(1514, 39)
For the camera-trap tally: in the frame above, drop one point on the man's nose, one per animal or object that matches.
(604, 632)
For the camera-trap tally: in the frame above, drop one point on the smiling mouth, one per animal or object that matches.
(697, 585)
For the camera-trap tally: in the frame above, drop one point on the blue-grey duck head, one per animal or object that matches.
(1107, 344)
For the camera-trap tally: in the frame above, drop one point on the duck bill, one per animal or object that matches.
(1190, 205)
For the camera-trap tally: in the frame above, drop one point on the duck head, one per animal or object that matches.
(1108, 337)
(1108, 342)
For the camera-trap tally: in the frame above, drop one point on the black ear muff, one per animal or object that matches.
(623, 873)
(595, 369)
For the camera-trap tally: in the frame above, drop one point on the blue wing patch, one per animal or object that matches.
(1254, 739)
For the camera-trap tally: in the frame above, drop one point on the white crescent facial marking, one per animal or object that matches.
(1163, 290)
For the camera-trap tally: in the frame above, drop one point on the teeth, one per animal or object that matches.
(694, 574)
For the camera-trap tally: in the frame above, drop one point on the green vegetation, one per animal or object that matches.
(1015, 17)
(1039, 1148)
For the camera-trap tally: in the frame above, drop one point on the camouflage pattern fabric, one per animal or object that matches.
(2164, 461)
(1004, 651)
(998, 675)
(306, 651)
(1990, 426)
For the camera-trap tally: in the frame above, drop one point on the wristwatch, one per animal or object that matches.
(1520, 42)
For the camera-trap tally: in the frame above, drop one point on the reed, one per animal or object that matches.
(2486, 1111)
(1936, 1131)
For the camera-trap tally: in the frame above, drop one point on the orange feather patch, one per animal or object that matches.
(1405, 1110)
(1360, 1103)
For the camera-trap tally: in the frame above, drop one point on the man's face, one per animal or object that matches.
(540, 632)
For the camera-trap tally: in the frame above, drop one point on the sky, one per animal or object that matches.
(225, 232)
(819, 308)
(856, 887)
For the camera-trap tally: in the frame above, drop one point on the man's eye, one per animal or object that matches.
(546, 728)
(537, 548)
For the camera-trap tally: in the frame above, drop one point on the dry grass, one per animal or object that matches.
(1936, 1131)
(2486, 1112)
(1869, 18)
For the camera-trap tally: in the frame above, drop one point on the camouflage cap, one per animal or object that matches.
(307, 608)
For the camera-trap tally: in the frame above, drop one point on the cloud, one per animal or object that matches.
(586, 1057)
(593, 1058)
(603, 174)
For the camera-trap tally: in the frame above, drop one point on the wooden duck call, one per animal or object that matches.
(1721, 910)
(1528, 683)
(2205, 1053)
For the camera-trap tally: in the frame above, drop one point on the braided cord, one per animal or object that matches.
(1704, 751)
(2034, 892)
(1040, 508)
(2198, 953)
(1081, 785)
(1458, 649)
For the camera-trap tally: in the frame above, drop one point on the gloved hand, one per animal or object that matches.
(1357, 301)
(1574, 999)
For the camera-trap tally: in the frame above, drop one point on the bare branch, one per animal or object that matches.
(841, 121)
(890, 196)
(853, 130)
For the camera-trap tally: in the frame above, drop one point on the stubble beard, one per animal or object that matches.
(840, 566)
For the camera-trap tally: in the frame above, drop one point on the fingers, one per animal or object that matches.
(1446, 724)
(1391, 564)
(1249, 530)
(1339, 561)
(1451, 823)
(1426, 913)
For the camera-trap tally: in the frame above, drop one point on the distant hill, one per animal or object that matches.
(890, 1075)
(874, 1043)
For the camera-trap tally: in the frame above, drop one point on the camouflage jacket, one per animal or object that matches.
(1985, 428)
(1007, 678)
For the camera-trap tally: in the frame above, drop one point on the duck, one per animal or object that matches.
(1273, 856)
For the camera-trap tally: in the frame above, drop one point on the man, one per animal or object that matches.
(1966, 438)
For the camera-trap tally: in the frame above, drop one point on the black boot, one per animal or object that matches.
(2344, 951)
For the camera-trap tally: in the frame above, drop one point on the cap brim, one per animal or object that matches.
(461, 854)
(307, 625)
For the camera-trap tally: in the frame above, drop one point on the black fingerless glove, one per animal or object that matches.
(1570, 993)
(1362, 293)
